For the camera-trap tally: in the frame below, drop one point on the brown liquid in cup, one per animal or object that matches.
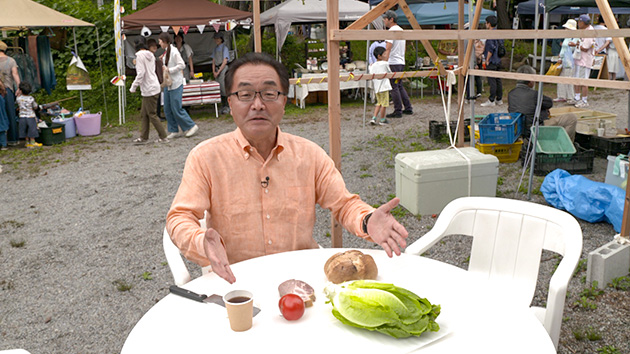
(239, 299)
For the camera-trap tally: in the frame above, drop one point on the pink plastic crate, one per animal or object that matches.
(88, 124)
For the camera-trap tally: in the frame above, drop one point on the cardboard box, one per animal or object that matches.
(428, 180)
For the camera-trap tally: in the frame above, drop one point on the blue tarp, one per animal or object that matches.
(588, 200)
(529, 8)
(439, 13)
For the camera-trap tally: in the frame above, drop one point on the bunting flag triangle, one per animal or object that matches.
(164, 28)
(201, 28)
(185, 29)
(176, 29)
(230, 25)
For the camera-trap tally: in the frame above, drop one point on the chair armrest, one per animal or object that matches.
(175, 261)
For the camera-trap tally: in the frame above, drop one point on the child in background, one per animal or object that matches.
(4, 118)
(381, 86)
(27, 123)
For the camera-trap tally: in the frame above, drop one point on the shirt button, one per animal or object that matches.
(266, 190)
(269, 242)
(268, 216)
(246, 155)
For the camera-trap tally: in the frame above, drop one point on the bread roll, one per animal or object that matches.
(350, 265)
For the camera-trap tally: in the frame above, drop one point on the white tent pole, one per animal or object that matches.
(76, 52)
(534, 137)
(536, 27)
(100, 64)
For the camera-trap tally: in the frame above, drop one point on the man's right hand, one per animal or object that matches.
(215, 251)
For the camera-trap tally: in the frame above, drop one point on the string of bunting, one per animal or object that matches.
(359, 77)
(229, 25)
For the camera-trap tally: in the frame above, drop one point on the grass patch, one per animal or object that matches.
(122, 285)
(17, 244)
(365, 175)
(608, 349)
(11, 224)
(146, 276)
(587, 334)
(621, 283)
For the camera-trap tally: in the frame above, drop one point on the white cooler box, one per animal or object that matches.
(428, 180)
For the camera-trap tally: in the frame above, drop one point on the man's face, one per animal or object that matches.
(582, 25)
(257, 119)
(388, 22)
(488, 25)
(218, 41)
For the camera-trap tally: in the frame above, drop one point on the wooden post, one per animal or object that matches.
(334, 104)
(471, 45)
(622, 49)
(257, 35)
(461, 90)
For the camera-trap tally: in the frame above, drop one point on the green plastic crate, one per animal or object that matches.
(53, 134)
(554, 141)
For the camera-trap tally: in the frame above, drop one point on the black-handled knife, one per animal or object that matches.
(216, 299)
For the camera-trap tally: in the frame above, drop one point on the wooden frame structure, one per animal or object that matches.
(355, 32)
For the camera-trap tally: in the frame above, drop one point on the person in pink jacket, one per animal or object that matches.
(147, 80)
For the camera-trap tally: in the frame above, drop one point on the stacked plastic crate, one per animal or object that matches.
(499, 135)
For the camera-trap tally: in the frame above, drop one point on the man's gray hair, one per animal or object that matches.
(391, 15)
(525, 69)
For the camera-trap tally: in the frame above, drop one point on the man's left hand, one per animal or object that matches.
(385, 230)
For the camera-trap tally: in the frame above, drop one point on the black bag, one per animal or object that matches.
(501, 49)
(158, 70)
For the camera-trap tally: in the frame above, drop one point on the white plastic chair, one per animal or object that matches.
(508, 239)
(180, 272)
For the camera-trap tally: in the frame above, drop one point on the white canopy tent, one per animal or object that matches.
(310, 11)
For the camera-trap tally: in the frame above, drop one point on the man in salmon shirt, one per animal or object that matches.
(260, 185)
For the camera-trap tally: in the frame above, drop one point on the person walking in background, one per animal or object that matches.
(584, 54)
(187, 55)
(493, 62)
(153, 48)
(565, 91)
(176, 116)
(478, 45)
(379, 43)
(220, 58)
(147, 80)
(11, 79)
(4, 119)
(27, 123)
(395, 55)
(381, 87)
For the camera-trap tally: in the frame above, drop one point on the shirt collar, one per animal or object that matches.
(246, 147)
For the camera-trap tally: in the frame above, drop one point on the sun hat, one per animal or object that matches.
(3, 46)
(570, 24)
(584, 18)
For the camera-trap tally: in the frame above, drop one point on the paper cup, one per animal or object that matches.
(240, 309)
(601, 131)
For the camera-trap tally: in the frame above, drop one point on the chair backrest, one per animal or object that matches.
(508, 239)
(180, 272)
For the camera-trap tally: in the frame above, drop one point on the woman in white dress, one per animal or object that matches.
(565, 91)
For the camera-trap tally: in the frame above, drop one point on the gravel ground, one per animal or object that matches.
(82, 220)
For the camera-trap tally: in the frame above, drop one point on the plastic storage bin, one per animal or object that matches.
(88, 124)
(610, 146)
(54, 134)
(70, 127)
(617, 179)
(500, 128)
(506, 153)
(580, 163)
(428, 180)
(553, 141)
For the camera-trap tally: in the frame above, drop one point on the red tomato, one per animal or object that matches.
(291, 307)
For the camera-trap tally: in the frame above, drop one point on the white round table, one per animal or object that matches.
(476, 317)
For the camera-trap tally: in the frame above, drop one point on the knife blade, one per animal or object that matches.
(214, 298)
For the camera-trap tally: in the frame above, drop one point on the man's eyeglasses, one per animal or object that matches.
(250, 95)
